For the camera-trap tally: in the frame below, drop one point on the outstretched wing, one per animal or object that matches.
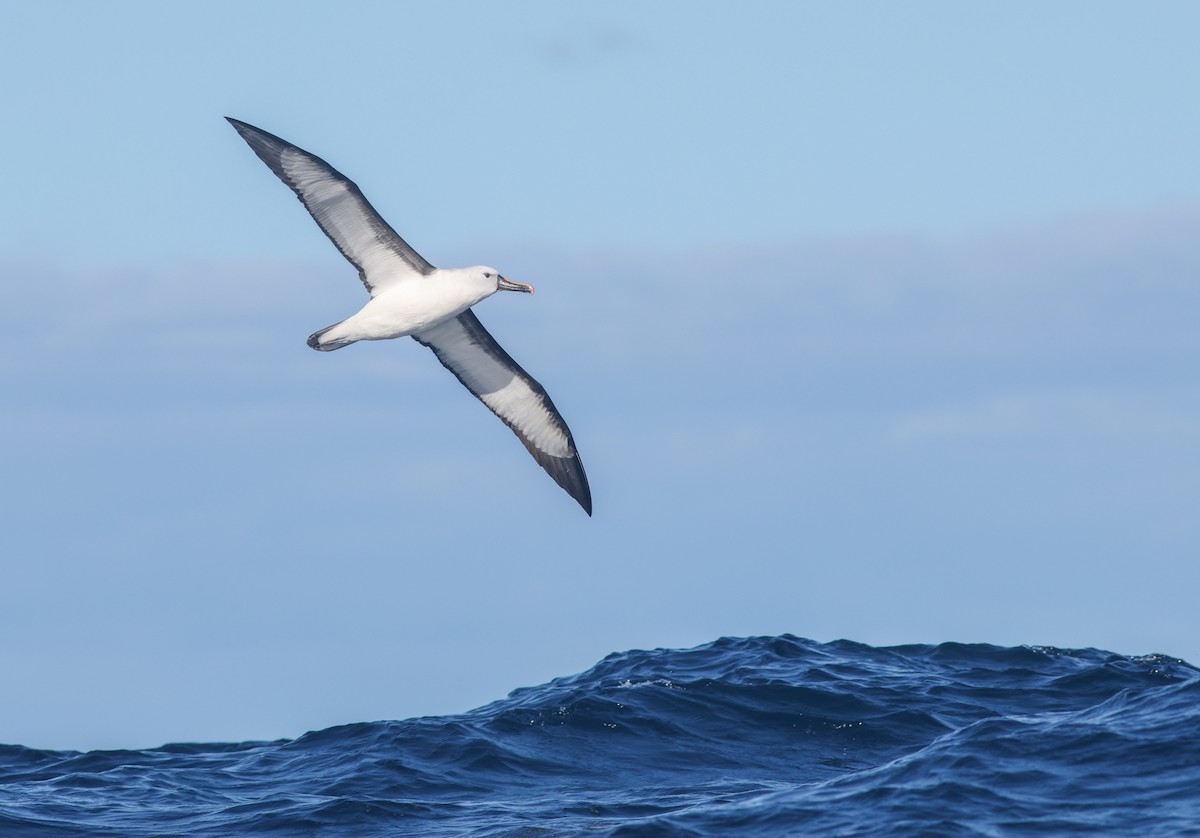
(341, 210)
(466, 349)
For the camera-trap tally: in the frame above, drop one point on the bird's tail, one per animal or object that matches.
(316, 340)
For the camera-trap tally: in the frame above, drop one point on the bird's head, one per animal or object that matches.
(492, 275)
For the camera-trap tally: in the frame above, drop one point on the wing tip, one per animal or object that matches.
(238, 125)
(584, 497)
(569, 474)
(265, 144)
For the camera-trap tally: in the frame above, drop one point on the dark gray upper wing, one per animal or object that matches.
(466, 349)
(341, 210)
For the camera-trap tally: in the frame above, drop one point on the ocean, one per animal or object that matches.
(767, 736)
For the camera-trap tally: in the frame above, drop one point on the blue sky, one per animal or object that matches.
(871, 321)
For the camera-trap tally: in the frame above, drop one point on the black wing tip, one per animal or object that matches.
(568, 473)
(260, 140)
(256, 138)
(584, 496)
(241, 127)
(270, 149)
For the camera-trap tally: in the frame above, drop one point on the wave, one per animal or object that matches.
(742, 736)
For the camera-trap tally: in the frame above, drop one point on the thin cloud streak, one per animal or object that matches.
(1071, 417)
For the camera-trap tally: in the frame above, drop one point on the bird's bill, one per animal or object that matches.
(503, 284)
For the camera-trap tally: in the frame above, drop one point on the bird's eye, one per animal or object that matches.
(486, 274)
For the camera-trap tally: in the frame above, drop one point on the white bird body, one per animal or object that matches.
(409, 296)
(410, 307)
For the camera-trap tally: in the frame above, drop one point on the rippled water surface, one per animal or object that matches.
(754, 736)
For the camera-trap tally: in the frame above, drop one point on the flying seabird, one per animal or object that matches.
(411, 297)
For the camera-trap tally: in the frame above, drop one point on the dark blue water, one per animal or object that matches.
(758, 736)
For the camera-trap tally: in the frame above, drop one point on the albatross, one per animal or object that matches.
(432, 305)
